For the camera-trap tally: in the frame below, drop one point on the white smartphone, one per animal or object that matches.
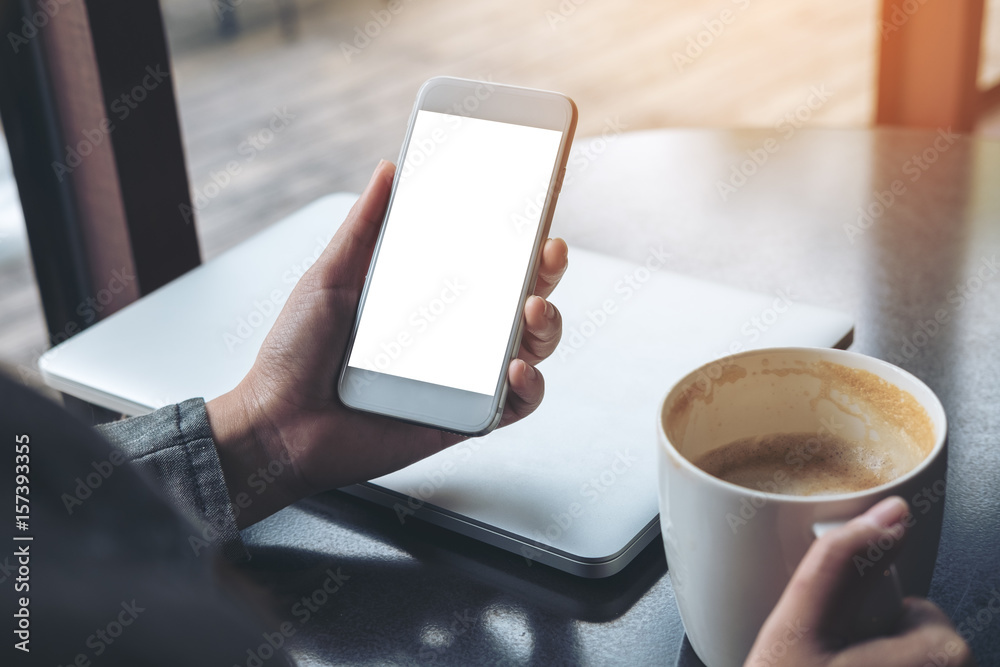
(441, 313)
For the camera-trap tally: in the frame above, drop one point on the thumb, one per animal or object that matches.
(839, 569)
(345, 260)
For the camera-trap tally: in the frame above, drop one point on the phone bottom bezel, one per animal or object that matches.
(422, 403)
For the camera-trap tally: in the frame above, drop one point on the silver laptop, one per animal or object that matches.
(573, 486)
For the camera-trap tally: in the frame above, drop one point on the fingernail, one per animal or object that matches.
(550, 311)
(559, 238)
(378, 168)
(529, 371)
(888, 512)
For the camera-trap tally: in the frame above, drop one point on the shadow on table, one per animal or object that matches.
(444, 553)
(420, 592)
(356, 585)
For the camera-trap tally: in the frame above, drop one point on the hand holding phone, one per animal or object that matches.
(282, 434)
(440, 315)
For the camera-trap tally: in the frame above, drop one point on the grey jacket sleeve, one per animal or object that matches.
(174, 450)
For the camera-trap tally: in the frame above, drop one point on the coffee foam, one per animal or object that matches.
(895, 413)
(801, 464)
(897, 436)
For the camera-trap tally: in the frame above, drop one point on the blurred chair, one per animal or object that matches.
(88, 108)
(225, 10)
(929, 64)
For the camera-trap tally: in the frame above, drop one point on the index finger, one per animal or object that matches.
(828, 574)
(555, 259)
(924, 630)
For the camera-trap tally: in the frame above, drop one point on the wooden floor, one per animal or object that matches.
(615, 58)
(633, 64)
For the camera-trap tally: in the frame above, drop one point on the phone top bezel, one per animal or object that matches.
(499, 102)
(440, 406)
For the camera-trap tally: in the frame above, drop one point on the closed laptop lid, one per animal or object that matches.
(573, 485)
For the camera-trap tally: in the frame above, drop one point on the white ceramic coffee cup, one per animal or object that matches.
(731, 550)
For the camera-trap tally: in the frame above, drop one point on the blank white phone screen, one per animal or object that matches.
(456, 247)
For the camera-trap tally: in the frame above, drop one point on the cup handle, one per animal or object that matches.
(883, 605)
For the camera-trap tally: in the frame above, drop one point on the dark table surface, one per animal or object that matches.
(415, 593)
